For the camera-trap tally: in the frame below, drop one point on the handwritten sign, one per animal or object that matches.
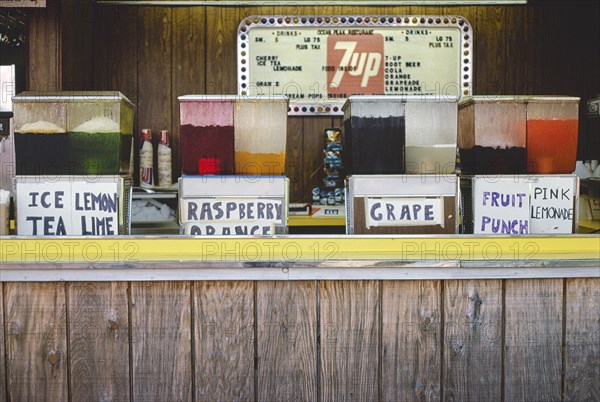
(501, 206)
(524, 205)
(75, 208)
(225, 209)
(318, 62)
(404, 212)
(229, 216)
(552, 205)
(246, 228)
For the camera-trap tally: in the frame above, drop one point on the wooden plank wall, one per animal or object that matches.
(154, 55)
(500, 340)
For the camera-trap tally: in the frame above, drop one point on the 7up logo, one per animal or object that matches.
(354, 64)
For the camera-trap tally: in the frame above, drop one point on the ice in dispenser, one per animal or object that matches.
(73, 133)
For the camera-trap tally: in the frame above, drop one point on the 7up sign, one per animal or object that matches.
(355, 64)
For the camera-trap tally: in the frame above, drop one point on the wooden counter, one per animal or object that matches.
(300, 318)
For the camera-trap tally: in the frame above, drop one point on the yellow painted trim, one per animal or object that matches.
(301, 220)
(298, 248)
(589, 224)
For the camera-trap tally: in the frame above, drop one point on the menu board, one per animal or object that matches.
(318, 62)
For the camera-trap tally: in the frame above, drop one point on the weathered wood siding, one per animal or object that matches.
(532, 339)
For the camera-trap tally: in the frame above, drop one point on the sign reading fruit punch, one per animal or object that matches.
(518, 205)
(233, 205)
(318, 62)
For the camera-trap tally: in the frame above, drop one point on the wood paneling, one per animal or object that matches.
(161, 341)
(78, 19)
(411, 341)
(2, 355)
(294, 164)
(287, 340)
(224, 341)
(98, 341)
(582, 340)
(286, 316)
(490, 49)
(116, 51)
(472, 340)
(350, 337)
(533, 339)
(45, 48)
(36, 341)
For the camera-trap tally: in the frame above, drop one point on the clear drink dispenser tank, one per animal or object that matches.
(431, 133)
(492, 135)
(73, 133)
(40, 134)
(552, 133)
(260, 135)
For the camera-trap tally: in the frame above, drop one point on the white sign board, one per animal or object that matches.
(229, 216)
(552, 205)
(319, 62)
(208, 210)
(404, 212)
(501, 206)
(67, 208)
(245, 228)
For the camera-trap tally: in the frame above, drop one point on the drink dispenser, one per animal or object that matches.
(492, 135)
(431, 131)
(229, 134)
(552, 131)
(260, 135)
(206, 134)
(374, 135)
(73, 133)
(100, 130)
(40, 134)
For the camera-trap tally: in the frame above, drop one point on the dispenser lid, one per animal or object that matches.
(72, 96)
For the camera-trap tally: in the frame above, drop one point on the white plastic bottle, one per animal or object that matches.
(146, 159)
(164, 160)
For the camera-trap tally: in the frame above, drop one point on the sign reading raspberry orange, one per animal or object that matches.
(318, 62)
